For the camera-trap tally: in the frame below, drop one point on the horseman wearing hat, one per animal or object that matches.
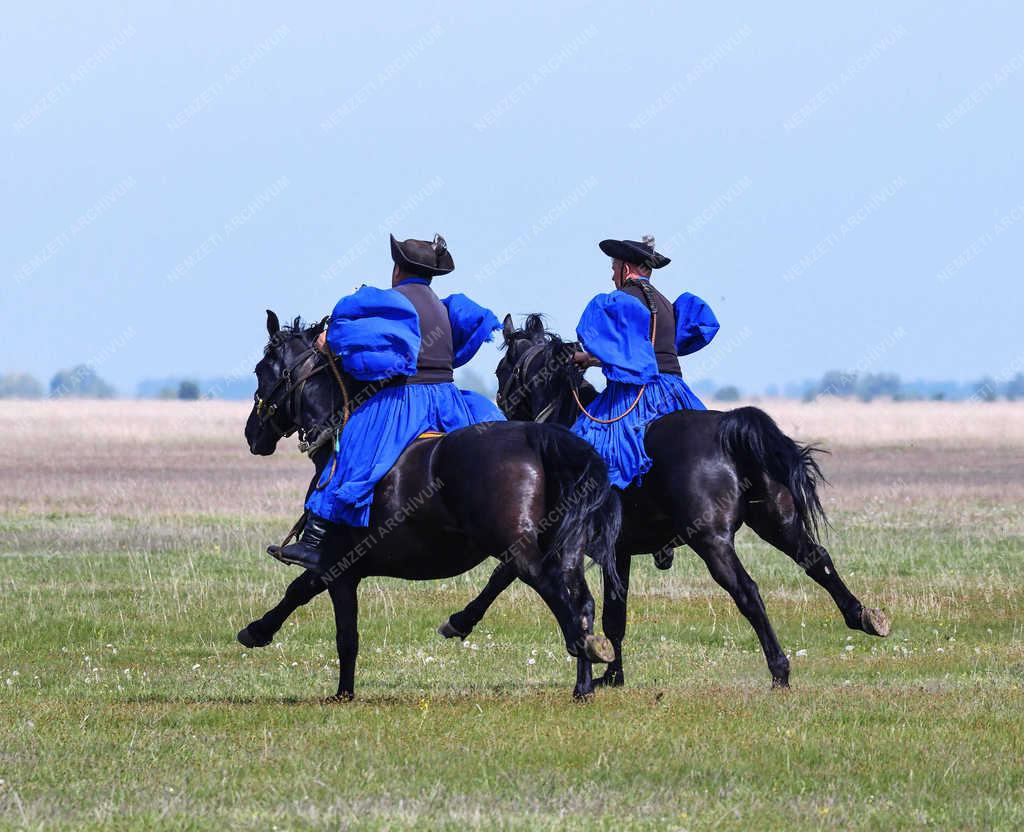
(408, 340)
(635, 334)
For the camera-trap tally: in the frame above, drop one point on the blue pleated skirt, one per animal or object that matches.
(377, 433)
(621, 444)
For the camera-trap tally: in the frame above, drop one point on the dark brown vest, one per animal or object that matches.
(664, 328)
(434, 363)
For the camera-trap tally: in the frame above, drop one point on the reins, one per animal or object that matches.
(622, 415)
(646, 290)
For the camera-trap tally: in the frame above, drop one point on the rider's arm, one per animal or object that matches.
(615, 330)
(472, 326)
(696, 324)
(584, 359)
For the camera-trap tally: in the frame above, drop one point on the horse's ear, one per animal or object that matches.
(534, 326)
(273, 324)
(508, 328)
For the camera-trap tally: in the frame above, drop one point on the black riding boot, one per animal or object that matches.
(307, 550)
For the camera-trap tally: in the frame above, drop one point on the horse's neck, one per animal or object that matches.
(565, 411)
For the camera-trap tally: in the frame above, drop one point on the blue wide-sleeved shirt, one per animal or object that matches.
(616, 329)
(377, 335)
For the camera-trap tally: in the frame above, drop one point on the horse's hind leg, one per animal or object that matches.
(720, 556)
(776, 523)
(461, 624)
(302, 590)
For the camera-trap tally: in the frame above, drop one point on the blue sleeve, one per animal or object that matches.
(615, 328)
(375, 333)
(472, 325)
(696, 324)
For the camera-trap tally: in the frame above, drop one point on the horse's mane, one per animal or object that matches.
(534, 323)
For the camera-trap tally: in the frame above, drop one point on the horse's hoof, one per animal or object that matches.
(875, 622)
(448, 631)
(610, 679)
(342, 696)
(598, 649)
(247, 639)
(581, 696)
(780, 684)
(663, 559)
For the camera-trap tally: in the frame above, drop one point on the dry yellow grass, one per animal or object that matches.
(839, 422)
(138, 458)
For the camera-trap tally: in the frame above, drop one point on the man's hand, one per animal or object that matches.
(321, 341)
(584, 359)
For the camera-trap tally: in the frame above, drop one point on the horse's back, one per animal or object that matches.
(689, 467)
(690, 435)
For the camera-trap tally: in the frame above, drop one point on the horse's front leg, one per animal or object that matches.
(613, 621)
(302, 590)
(461, 624)
(346, 615)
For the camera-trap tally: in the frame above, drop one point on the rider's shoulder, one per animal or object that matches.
(370, 301)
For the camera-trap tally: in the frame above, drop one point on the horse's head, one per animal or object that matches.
(536, 376)
(293, 393)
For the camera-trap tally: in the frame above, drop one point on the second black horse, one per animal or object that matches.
(712, 473)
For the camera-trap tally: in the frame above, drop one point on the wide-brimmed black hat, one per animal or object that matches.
(422, 258)
(638, 253)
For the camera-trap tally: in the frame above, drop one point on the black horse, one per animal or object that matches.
(534, 496)
(712, 472)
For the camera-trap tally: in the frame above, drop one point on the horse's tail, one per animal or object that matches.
(753, 440)
(582, 511)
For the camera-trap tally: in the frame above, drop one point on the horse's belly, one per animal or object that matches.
(416, 552)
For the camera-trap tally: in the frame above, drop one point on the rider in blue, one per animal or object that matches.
(636, 335)
(409, 340)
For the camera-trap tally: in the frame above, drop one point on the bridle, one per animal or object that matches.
(293, 380)
(517, 377)
(507, 393)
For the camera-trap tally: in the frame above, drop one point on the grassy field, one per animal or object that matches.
(132, 550)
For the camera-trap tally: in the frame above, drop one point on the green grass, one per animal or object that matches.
(126, 703)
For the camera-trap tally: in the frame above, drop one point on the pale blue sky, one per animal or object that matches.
(172, 169)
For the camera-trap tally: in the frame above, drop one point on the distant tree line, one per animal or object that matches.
(20, 386)
(82, 382)
(78, 382)
(870, 386)
(186, 391)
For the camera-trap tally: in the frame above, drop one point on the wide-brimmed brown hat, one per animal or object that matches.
(422, 258)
